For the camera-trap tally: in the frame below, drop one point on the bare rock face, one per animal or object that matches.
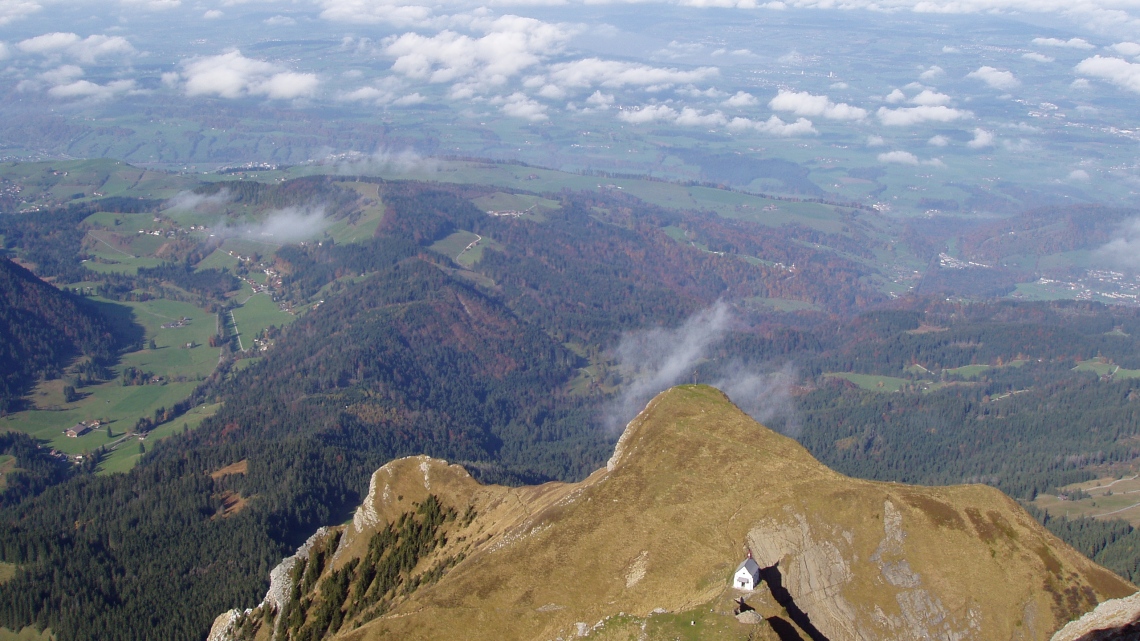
(1113, 620)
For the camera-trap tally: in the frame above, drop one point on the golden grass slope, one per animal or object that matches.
(646, 547)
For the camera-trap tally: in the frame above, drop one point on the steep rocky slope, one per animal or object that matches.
(647, 546)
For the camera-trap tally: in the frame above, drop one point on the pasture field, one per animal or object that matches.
(873, 382)
(1103, 367)
(968, 371)
(124, 456)
(1109, 497)
(364, 227)
(121, 406)
(257, 313)
(218, 259)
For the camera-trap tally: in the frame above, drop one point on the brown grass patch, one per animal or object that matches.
(942, 514)
(241, 467)
(232, 503)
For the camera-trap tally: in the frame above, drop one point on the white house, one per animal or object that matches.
(747, 575)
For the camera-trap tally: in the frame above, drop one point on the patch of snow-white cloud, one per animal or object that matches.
(648, 114)
(741, 99)
(1037, 57)
(1071, 43)
(934, 71)
(518, 105)
(802, 103)
(929, 98)
(375, 12)
(898, 157)
(232, 75)
(875, 141)
(982, 139)
(938, 141)
(908, 116)
(596, 72)
(213, 14)
(280, 21)
(1118, 71)
(1079, 175)
(86, 50)
(774, 126)
(895, 97)
(1126, 49)
(510, 45)
(996, 78)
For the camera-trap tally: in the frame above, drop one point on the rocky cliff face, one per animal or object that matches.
(647, 547)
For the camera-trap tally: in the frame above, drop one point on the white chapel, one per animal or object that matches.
(747, 575)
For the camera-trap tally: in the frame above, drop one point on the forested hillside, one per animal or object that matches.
(42, 329)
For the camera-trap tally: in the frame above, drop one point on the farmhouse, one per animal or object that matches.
(79, 430)
(747, 575)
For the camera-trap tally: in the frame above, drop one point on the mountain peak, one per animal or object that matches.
(653, 540)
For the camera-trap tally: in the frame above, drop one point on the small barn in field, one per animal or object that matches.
(747, 575)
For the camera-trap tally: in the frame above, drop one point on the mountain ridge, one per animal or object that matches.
(655, 535)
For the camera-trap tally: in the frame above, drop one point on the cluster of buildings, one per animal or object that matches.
(81, 428)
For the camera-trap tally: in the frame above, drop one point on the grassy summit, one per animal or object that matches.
(649, 544)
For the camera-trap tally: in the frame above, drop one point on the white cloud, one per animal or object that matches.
(511, 45)
(595, 72)
(802, 103)
(1119, 72)
(213, 14)
(648, 114)
(687, 117)
(1124, 250)
(518, 105)
(894, 97)
(86, 50)
(1080, 83)
(774, 126)
(374, 12)
(907, 116)
(995, 78)
(1079, 175)
(938, 141)
(232, 75)
(1071, 43)
(88, 89)
(1037, 57)
(899, 157)
(65, 82)
(599, 99)
(950, 49)
(930, 74)
(875, 141)
(690, 117)
(280, 21)
(741, 99)
(982, 139)
(1126, 48)
(930, 98)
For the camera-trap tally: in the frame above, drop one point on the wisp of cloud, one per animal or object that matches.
(654, 360)
(1124, 250)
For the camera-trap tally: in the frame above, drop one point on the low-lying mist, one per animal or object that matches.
(279, 226)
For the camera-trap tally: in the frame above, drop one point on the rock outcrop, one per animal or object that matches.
(1113, 620)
